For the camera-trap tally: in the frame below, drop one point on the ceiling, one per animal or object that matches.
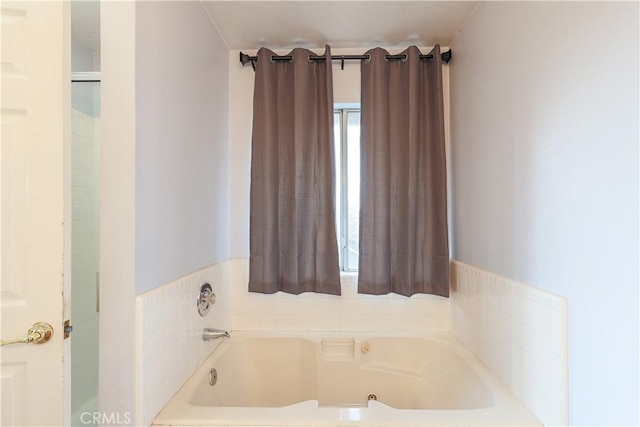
(312, 24)
(341, 24)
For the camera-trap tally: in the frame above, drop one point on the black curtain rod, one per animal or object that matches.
(244, 58)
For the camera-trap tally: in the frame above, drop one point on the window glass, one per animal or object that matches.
(347, 152)
(337, 138)
(353, 189)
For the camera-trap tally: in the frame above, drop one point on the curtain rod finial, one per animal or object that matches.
(446, 56)
(244, 58)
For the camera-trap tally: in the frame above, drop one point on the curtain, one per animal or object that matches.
(403, 212)
(293, 244)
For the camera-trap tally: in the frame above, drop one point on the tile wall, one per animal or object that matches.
(169, 346)
(519, 332)
(317, 312)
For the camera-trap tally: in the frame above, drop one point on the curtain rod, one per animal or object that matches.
(244, 58)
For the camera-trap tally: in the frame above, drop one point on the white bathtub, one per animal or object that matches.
(335, 380)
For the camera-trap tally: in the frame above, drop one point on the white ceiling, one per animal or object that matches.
(341, 24)
(312, 24)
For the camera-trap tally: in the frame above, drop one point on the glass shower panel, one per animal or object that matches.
(85, 174)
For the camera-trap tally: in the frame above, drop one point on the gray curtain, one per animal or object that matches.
(293, 245)
(403, 212)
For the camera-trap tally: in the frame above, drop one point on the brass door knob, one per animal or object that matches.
(39, 333)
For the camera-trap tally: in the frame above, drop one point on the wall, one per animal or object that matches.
(164, 178)
(83, 58)
(182, 166)
(544, 115)
(117, 209)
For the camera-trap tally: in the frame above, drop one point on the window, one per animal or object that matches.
(346, 125)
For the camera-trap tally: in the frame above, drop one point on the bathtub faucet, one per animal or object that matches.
(210, 334)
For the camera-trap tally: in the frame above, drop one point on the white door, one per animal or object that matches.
(34, 122)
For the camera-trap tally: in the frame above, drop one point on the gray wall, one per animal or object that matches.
(182, 165)
(544, 115)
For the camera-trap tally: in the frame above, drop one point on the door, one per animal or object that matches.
(35, 91)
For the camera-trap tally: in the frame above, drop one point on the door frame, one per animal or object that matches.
(117, 344)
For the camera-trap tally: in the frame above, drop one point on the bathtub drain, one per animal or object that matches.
(372, 396)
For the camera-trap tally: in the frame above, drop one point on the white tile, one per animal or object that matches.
(172, 332)
(168, 344)
(429, 324)
(172, 308)
(348, 307)
(349, 322)
(558, 336)
(518, 331)
(417, 306)
(329, 306)
(413, 323)
(349, 289)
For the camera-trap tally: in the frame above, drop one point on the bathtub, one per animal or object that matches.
(343, 380)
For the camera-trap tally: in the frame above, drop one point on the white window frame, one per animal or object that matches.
(342, 223)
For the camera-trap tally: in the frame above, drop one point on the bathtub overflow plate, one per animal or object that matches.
(364, 348)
